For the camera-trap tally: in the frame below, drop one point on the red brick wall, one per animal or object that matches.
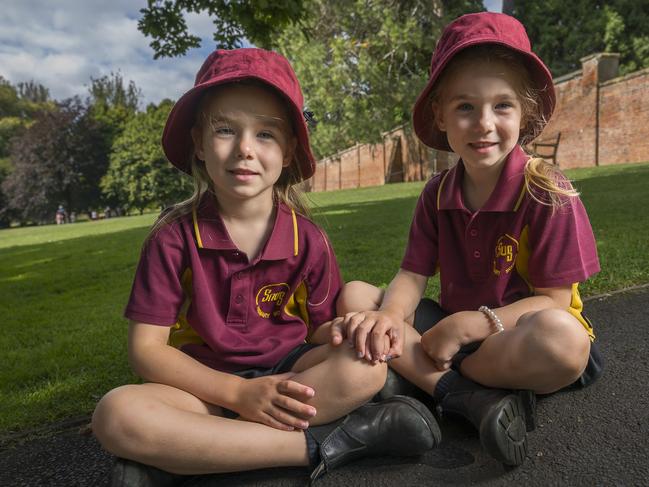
(624, 119)
(574, 117)
(602, 118)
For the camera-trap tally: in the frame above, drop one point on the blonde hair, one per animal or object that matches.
(544, 182)
(285, 190)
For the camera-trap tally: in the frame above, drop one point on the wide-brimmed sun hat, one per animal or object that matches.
(226, 66)
(472, 30)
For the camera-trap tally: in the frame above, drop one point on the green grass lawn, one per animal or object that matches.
(64, 287)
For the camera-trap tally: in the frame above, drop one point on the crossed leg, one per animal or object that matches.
(546, 351)
(175, 431)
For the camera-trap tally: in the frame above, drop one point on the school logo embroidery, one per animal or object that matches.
(505, 254)
(269, 299)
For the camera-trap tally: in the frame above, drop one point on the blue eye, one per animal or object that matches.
(503, 106)
(465, 107)
(223, 130)
(266, 135)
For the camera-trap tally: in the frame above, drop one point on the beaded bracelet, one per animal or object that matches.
(493, 318)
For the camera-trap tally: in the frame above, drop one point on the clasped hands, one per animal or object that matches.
(379, 336)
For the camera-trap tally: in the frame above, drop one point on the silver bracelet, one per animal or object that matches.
(493, 318)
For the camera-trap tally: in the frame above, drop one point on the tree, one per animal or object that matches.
(139, 176)
(235, 21)
(564, 32)
(18, 107)
(111, 103)
(361, 63)
(58, 159)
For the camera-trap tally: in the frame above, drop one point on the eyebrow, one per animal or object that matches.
(273, 121)
(464, 96)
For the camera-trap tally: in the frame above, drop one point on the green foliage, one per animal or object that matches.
(111, 104)
(18, 108)
(362, 63)
(139, 176)
(564, 32)
(58, 159)
(256, 21)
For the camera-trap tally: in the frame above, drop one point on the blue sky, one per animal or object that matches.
(63, 43)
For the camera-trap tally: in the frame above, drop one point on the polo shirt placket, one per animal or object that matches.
(240, 293)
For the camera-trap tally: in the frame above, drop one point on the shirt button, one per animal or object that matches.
(473, 232)
(238, 299)
(476, 254)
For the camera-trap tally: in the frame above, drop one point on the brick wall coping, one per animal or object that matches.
(568, 76)
(627, 77)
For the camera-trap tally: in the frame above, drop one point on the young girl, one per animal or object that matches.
(229, 285)
(508, 235)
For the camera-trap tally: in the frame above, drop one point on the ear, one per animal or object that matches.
(438, 116)
(289, 153)
(197, 139)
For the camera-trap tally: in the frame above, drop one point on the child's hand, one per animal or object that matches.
(376, 335)
(442, 342)
(276, 401)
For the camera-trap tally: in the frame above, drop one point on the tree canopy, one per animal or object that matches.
(564, 32)
(58, 159)
(235, 21)
(19, 105)
(139, 175)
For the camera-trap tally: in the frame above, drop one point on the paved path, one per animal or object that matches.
(593, 437)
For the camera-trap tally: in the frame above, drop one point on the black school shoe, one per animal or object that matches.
(397, 426)
(502, 417)
(128, 473)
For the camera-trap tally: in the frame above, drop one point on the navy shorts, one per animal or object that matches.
(284, 365)
(428, 313)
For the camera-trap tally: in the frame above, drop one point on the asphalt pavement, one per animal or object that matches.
(598, 436)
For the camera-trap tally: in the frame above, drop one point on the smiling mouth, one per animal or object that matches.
(243, 172)
(482, 145)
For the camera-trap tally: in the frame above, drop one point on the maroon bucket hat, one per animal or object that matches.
(471, 30)
(225, 66)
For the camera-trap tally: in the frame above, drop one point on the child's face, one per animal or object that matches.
(480, 112)
(245, 140)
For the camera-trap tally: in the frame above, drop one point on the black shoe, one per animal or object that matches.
(128, 473)
(498, 414)
(399, 426)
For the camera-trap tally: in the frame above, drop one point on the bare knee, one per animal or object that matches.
(358, 296)
(116, 421)
(562, 341)
(358, 377)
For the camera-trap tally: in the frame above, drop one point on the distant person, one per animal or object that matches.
(509, 237)
(73, 217)
(228, 299)
(93, 215)
(107, 212)
(60, 215)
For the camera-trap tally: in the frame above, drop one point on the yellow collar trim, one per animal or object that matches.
(198, 234)
(295, 239)
(441, 185)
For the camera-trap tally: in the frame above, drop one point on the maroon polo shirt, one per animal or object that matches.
(226, 311)
(500, 253)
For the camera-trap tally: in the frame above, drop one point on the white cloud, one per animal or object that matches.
(63, 43)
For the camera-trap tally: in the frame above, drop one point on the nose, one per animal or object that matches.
(485, 119)
(245, 146)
